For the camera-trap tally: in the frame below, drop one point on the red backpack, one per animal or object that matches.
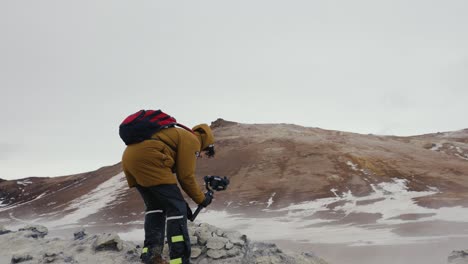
(143, 124)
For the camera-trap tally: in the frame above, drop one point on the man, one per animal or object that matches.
(150, 166)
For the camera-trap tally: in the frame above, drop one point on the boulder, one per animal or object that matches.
(458, 257)
(196, 252)
(235, 238)
(50, 257)
(269, 260)
(3, 230)
(106, 242)
(34, 231)
(229, 245)
(234, 252)
(79, 235)
(18, 258)
(216, 242)
(193, 240)
(216, 253)
(204, 234)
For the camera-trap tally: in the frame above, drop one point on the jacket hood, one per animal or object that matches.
(204, 134)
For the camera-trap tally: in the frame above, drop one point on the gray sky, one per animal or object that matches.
(70, 71)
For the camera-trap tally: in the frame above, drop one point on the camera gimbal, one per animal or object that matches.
(212, 184)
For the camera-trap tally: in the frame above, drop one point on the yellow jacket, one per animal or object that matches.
(172, 150)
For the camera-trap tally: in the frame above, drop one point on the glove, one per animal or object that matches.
(210, 151)
(207, 200)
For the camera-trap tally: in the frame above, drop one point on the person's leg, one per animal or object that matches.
(155, 224)
(177, 232)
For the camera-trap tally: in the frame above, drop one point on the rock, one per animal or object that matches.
(193, 240)
(235, 237)
(222, 123)
(21, 258)
(69, 260)
(80, 249)
(80, 234)
(106, 242)
(216, 253)
(109, 248)
(458, 257)
(216, 242)
(229, 245)
(34, 231)
(191, 228)
(3, 230)
(196, 252)
(203, 233)
(49, 257)
(268, 260)
(233, 252)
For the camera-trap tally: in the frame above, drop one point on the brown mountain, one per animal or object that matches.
(291, 163)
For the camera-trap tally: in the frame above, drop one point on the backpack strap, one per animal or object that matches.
(186, 128)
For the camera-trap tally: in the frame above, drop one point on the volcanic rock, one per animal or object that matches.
(458, 257)
(109, 248)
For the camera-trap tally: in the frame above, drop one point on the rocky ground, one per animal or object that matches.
(458, 257)
(209, 245)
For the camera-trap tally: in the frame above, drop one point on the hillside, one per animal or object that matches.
(288, 183)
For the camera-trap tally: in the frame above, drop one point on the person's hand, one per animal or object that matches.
(207, 200)
(210, 151)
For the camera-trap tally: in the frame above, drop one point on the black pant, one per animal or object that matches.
(166, 205)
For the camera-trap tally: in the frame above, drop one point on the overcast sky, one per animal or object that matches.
(70, 71)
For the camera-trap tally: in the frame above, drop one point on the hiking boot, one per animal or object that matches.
(159, 260)
(150, 257)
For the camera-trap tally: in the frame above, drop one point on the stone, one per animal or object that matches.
(191, 230)
(308, 258)
(50, 257)
(193, 240)
(268, 260)
(196, 252)
(49, 260)
(3, 230)
(216, 243)
(233, 252)
(203, 235)
(106, 242)
(18, 258)
(458, 257)
(205, 261)
(80, 234)
(235, 237)
(216, 253)
(80, 248)
(34, 231)
(69, 260)
(219, 232)
(229, 245)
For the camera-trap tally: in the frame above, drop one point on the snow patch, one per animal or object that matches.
(461, 157)
(352, 165)
(16, 205)
(24, 182)
(270, 201)
(436, 147)
(92, 202)
(390, 199)
(334, 191)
